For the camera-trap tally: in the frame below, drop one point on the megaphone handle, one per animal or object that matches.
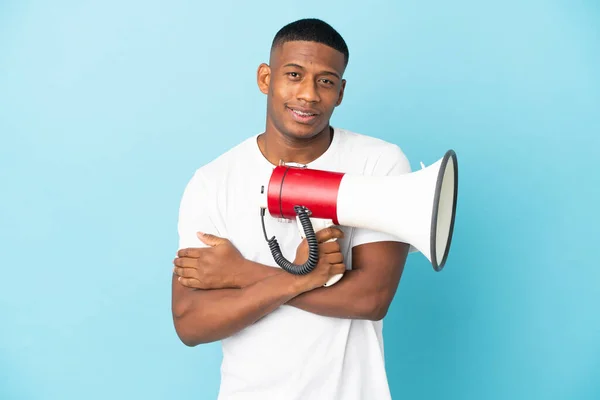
(319, 224)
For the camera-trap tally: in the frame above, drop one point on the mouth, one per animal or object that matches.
(302, 115)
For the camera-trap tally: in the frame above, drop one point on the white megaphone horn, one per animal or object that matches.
(417, 208)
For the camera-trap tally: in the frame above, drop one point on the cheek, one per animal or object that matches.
(332, 99)
(282, 94)
(282, 89)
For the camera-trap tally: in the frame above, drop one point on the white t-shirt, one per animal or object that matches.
(290, 354)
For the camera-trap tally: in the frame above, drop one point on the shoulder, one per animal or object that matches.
(205, 180)
(221, 166)
(378, 156)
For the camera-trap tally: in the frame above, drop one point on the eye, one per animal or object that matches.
(327, 82)
(293, 75)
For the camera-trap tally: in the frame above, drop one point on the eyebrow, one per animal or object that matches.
(324, 72)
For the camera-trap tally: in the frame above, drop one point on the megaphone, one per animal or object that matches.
(417, 208)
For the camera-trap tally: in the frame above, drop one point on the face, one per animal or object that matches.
(303, 84)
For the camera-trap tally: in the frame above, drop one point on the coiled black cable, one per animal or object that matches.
(311, 238)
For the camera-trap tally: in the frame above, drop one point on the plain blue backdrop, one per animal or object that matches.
(107, 108)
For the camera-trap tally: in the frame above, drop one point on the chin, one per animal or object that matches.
(299, 134)
(303, 132)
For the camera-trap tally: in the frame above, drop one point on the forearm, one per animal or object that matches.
(350, 297)
(204, 316)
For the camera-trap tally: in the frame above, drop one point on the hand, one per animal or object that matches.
(215, 267)
(331, 260)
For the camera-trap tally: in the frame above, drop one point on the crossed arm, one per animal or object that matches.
(365, 292)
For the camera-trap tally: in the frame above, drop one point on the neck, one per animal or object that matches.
(277, 147)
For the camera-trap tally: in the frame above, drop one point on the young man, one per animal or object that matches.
(286, 337)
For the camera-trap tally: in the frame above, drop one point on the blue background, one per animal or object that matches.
(107, 108)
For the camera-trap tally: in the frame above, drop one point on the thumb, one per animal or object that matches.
(209, 239)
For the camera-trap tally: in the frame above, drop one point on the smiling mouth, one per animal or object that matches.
(302, 116)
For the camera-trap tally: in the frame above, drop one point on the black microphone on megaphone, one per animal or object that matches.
(418, 208)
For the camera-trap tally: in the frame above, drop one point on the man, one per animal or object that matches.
(284, 336)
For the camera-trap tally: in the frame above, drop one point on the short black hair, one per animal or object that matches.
(312, 30)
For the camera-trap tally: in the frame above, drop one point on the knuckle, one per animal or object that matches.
(322, 235)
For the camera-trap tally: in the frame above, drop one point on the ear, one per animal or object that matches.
(341, 95)
(263, 78)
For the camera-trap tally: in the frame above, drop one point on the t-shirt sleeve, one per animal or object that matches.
(196, 213)
(393, 162)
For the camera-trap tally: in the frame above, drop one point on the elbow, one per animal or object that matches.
(190, 335)
(377, 308)
(190, 341)
(378, 313)
(183, 329)
(185, 338)
(188, 332)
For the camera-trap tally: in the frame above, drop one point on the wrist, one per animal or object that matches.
(250, 272)
(297, 284)
(293, 285)
(240, 279)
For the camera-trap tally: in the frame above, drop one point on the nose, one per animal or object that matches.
(308, 91)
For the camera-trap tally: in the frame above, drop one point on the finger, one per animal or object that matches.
(192, 252)
(339, 268)
(185, 262)
(335, 258)
(210, 240)
(329, 247)
(186, 272)
(329, 233)
(191, 283)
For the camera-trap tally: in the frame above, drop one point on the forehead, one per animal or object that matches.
(308, 55)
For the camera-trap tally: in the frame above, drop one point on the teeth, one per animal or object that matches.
(303, 113)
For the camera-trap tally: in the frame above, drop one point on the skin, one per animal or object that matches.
(216, 292)
(301, 75)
